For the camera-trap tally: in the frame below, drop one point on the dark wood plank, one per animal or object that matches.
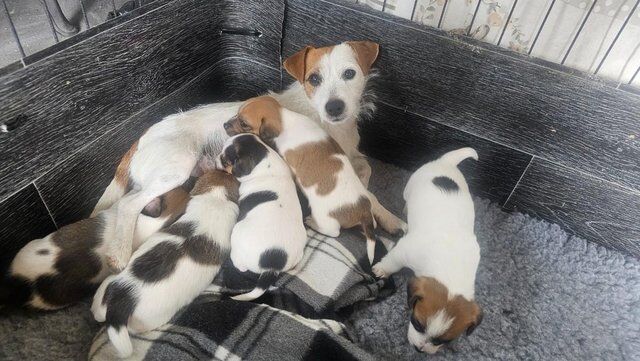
(73, 187)
(480, 89)
(23, 217)
(409, 141)
(589, 207)
(69, 99)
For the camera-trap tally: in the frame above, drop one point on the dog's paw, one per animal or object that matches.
(379, 271)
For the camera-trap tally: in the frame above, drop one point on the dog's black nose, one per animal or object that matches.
(417, 349)
(334, 107)
(227, 125)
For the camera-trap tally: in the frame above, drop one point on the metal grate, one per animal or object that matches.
(632, 6)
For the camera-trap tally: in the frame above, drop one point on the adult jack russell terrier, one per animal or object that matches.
(330, 88)
(270, 236)
(336, 196)
(442, 250)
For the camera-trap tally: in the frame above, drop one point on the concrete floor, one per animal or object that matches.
(34, 30)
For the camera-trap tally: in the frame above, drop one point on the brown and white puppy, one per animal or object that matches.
(336, 196)
(169, 151)
(68, 265)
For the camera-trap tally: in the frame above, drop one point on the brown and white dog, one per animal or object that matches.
(442, 250)
(336, 196)
(69, 264)
(330, 88)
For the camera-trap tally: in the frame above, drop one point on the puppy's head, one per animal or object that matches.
(215, 179)
(334, 77)
(241, 154)
(259, 116)
(437, 318)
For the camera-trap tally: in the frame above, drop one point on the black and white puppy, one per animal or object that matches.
(69, 264)
(173, 266)
(270, 236)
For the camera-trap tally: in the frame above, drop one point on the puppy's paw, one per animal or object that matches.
(379, 271)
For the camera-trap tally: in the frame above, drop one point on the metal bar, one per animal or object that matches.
(444, 8)
(544, 21)
(473, 18)
(384, 5)
(573, 42)
(613, 43)
(506, 24)
(84, 14)
(413, 11)
(53, 29)
(13, 29)
(634, 76)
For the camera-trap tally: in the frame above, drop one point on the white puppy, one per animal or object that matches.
(173, 266)
(442, 250)
(270, 236)
(336, 196)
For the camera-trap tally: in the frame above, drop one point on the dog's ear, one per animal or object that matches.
(295, 65)
(477, 321)
(366, 52)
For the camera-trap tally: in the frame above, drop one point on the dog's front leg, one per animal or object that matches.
(391, 263)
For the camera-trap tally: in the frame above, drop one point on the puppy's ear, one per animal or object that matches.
(477, 321)
(366, 52)
(295, 65)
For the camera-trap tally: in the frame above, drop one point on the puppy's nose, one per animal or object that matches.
(227, 125)
(334, 107)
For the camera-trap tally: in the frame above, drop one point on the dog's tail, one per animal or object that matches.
(120, 303)
(273, 260)
(368, 228)
(454, 157)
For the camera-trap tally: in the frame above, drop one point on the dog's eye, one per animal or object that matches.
(314, 79)
(416, 324)
(348, 74)
(438, 341)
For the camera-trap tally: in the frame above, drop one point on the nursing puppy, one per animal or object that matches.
(164, 157)
(442, 250)
(270, 236)
(173, 266)
(69, 264)
(336, 196)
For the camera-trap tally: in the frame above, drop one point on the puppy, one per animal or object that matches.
(164, 157)
(270, 236)
(69, 264)
(173, 266)
(336, 196)
(442, 250)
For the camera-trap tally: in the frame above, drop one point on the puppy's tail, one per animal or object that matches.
(274, 260)
(120, 303)
(454, 157)
(368, 228)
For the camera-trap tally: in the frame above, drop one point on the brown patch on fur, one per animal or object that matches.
(431, 296)
(122, 172)
(259, 116)
(315, 164)
(217, 178)
(366, 53)
(175, 203)
(355, 214)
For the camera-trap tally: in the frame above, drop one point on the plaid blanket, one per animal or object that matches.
(298, 319)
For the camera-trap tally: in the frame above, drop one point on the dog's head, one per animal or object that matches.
(244, 154)
(259, 116)
(214, 180)
(436, 318)
(334, 77)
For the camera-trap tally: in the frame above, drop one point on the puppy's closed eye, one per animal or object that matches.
(416, 324)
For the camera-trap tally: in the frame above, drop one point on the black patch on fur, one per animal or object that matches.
(15, 291)
(42, 252)
(253, 200)
(181, 229)
(273, 259)
(244, 154)
(120, 303)
(158, 263)
(204, 250)
(446, 184)
(304, 202)
(60, 290)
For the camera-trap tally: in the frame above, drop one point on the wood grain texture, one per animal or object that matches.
(484, 91)
(69, 99)
(23, 217)
(409, 141)
(73, 187)
(586, 206)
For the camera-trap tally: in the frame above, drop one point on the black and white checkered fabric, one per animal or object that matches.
(297, 319)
